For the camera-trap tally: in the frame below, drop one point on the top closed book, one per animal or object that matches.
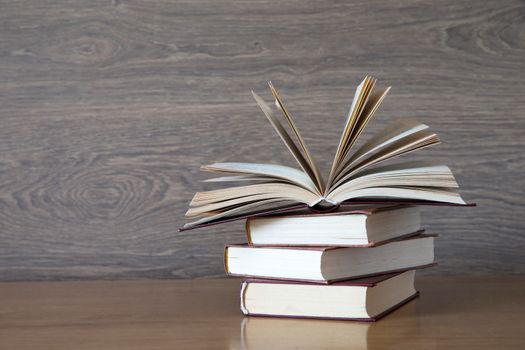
(358, 228)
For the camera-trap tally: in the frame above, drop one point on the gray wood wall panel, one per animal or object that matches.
(107, 109)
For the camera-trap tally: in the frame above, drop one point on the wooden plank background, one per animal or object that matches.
(107, 109)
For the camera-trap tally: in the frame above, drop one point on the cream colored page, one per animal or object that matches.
(362, 115)
(251, 208)
(278, 189)
(346, 131)
(392, 133)
(411, 143)
(292, 147)
(272, 170)
(279, 104)
(412, 164)
(431, 176)
(368, 111)
(446, 196)
(221, 205)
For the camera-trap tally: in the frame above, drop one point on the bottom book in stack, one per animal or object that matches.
(364, 299)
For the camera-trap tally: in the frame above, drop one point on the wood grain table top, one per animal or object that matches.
(452, 312)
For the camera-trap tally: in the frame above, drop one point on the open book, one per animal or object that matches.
(359, 176)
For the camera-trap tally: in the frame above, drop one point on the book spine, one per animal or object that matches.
(248, 232)
(244, 285)
(226, 269)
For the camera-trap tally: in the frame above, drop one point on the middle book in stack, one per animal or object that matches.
(345, 265)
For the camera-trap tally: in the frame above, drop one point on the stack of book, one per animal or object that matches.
(343, 247)
(356, 265)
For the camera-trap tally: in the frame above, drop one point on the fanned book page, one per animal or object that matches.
(356, 176)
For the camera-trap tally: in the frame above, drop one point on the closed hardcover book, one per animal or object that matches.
(366, 299)
(365, 227)
(329, 264)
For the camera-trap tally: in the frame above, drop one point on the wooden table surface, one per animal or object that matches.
(452, 312)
